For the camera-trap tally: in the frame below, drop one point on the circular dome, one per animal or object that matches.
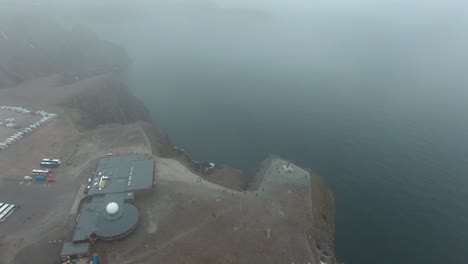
(112, 208)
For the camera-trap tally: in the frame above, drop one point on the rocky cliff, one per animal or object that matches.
(111, 102)
(106, 100)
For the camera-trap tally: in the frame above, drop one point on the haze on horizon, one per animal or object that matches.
(428, 37)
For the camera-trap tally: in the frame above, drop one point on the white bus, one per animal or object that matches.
(52, 160)
(7, 212)
(40, 172)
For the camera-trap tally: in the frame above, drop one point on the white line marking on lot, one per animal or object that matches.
(29, 183)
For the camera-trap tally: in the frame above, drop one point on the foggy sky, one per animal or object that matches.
(423, 40)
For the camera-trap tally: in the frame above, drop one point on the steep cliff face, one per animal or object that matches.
(323, 229)
(34, 46)
(107, 100)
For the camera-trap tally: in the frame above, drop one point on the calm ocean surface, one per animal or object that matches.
(383, 120)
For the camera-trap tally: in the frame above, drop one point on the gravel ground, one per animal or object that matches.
(189, 220)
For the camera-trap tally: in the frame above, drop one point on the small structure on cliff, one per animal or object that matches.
(287, 168)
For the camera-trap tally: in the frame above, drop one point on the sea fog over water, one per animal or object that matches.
(372, 95)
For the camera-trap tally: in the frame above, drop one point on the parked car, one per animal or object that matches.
(50, 179)
(40, 178)
(28, 178)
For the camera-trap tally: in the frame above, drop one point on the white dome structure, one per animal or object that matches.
(112, 208)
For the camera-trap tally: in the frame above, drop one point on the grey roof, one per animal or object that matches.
(95, 220)
(108, 227)
(70, 249)
(86, 223)
(123, 173)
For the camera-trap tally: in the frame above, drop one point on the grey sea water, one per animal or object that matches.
(376, 105)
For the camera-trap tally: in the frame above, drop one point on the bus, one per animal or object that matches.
(7, 212)
(52, 160)
(40, 172)
(49, 164)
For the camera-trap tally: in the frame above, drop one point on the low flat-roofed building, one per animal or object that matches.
(124, 173)
(108, 215)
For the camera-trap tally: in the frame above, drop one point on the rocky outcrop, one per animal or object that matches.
(107, 100)
(227, 176)
(323, 227)
(160, 142)
(321, 232)
(110, 102)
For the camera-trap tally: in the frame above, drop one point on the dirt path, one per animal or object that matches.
(209, 220)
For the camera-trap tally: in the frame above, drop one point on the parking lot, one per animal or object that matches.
(42, 207)
(21, 121)
(17, 122)
(40, 216)
(39, 206)
(42, 213)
